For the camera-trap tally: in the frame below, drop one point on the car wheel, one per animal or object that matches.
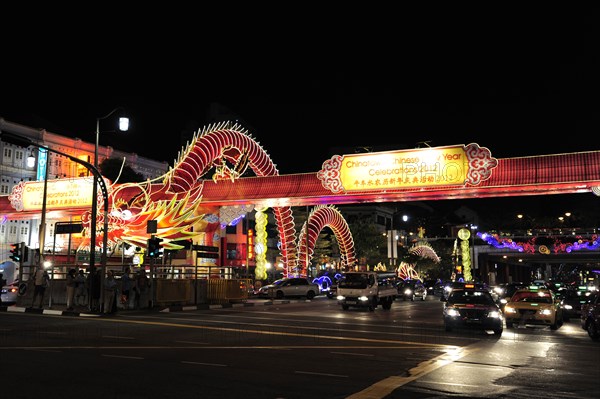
(593, 331)
(423, 297)
(310, 295)
(498, 332)
(509, 324)
(279, 295)
(412, 298)
(447, 327)
(387, 305)
(345, 307)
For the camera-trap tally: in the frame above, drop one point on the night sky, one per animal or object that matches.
(520, 82)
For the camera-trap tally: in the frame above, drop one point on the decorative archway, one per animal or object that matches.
(320, 217)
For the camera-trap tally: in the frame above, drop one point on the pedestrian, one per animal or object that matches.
(80, 288)
(93, 281)
(110, 291)
(126, 285)
(41, 280)
(2, 284)
(71, 284)
(142, 287)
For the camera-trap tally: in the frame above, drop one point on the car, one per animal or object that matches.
(450, 285)
(572, 299)
(412, 289)
(504, 291)
(9, 293)
(534, 305)
(470, 307)
(590, 316)
(290, 287)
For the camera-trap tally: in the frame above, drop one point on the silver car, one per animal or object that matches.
(9, 294)
(290, 287)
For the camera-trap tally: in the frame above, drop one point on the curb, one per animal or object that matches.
(17, 309)
(176, 308)
(173, 308)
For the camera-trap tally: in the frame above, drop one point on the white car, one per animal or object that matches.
(9, 294)
(290, 287)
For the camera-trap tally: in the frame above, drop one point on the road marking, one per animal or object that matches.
(205, 364)
(192, 343)
(116, 337)
(287, 334)
(321, 374)
(352, 354)
(386, 386)
(124, 357)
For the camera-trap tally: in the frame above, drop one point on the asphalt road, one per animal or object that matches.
(290, 349)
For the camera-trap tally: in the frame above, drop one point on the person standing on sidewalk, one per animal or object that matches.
(41, 280)
(110, 291)
(71, 284)
(2, 284)
(126, 285)
(80, 289)
(141, 288)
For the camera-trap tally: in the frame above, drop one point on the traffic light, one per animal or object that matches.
(154, 247)
(16, 252)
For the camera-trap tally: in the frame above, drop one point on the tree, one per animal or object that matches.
(369, 243)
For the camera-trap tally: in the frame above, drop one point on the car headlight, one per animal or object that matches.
(363, 298)
(340, 297)
(407, 291)
(546, 312)
(452, 312)
(509, 309)
(568, 307)
(494, 314)
(503, 300)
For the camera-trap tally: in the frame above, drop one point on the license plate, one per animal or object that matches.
(351, 302)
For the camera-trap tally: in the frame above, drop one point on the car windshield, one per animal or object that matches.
(354, 280)
(537, 297)
(471, 297)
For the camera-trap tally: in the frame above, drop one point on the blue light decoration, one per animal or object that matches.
(491, 239)
(579, 245)
(325, 282)
(559, 246)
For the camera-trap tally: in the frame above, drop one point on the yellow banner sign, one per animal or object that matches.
(440, 166)
(60, 194)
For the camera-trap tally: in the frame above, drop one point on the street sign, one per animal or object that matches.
(68, 228)
(205, 248)
(210, 255)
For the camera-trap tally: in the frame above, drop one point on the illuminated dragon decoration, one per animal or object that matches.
(174, 200)
(423, 250)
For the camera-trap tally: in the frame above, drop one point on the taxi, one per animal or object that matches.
(533, 305)
(470, 307)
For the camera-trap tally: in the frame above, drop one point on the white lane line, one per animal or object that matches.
(192, 343)
(116, 337)
(205, 364)
(124, 357)
(321, 374)
(352, 354)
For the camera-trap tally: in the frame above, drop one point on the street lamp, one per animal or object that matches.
(123, 126)
(26, 142)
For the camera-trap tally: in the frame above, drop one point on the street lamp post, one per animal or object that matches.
(26, 142)
(123, 126)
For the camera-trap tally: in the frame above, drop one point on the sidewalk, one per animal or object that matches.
(61, 310)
